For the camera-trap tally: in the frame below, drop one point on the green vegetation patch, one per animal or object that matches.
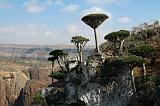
(38, 99)
(116, 66)
(144, 50)
(125, 61)
(57, 75)
(146, 84)
(113, 36)
(94, 20)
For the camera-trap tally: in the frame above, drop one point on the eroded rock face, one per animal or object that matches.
(38, 74)
(86, 88)
(113, 94)
(71, 94)
(85, 85)
(116, 92)
(11, 84)
(30, 89)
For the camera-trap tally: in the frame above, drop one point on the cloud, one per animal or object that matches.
(104, 2)
(71, 8)
(124, 20)
(96, 10)
(25, 30)
(29, 34)
(72, 29)
(59, 3)
(100, 1)
(5, 5)
(34, 6)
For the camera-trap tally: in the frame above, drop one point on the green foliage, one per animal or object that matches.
(114, 36)
(80, 43)
(144, 50)
(57, 53)
(145, 84)
(150, 32)
(57, 75)
(94, 20)
(79, 39)
(52, 59)
(115, 66)
(133, 60)
(130, 60)
(38, 99)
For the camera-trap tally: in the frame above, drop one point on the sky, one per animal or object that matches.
(51, 22)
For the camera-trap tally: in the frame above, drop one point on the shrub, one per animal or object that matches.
(131, 60)
(113, 36)
(57, 75)
(38, 99)
(116, 66)
(144, 50)
(145, 84)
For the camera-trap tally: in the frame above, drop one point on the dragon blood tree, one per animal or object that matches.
(59, 55)
(95, 20)
(80, 43)
(146, 51)
(117, 39)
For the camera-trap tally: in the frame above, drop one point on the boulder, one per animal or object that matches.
(11, 84)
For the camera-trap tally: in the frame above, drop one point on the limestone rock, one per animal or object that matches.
(11, 84)
(38, 74)
(30, 89)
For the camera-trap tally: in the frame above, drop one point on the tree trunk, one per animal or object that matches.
(60, 65)
(133, 82)
(121, 47)
(80, 57)
(144, 69)
(65, 63)
(96, 41)
(52, 70)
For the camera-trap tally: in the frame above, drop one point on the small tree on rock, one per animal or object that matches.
(117, 39)
(116, 66)
(60, 55)
(80, 43)
(146, 51)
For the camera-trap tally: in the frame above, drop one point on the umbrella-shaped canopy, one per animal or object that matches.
(52, 58)
(94, 20)
(79, 39)
(57, 53)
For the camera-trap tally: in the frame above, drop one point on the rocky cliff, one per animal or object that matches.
(116, 91)
(84, 86)
(27, 93)
(11, 84)
(38, 74)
